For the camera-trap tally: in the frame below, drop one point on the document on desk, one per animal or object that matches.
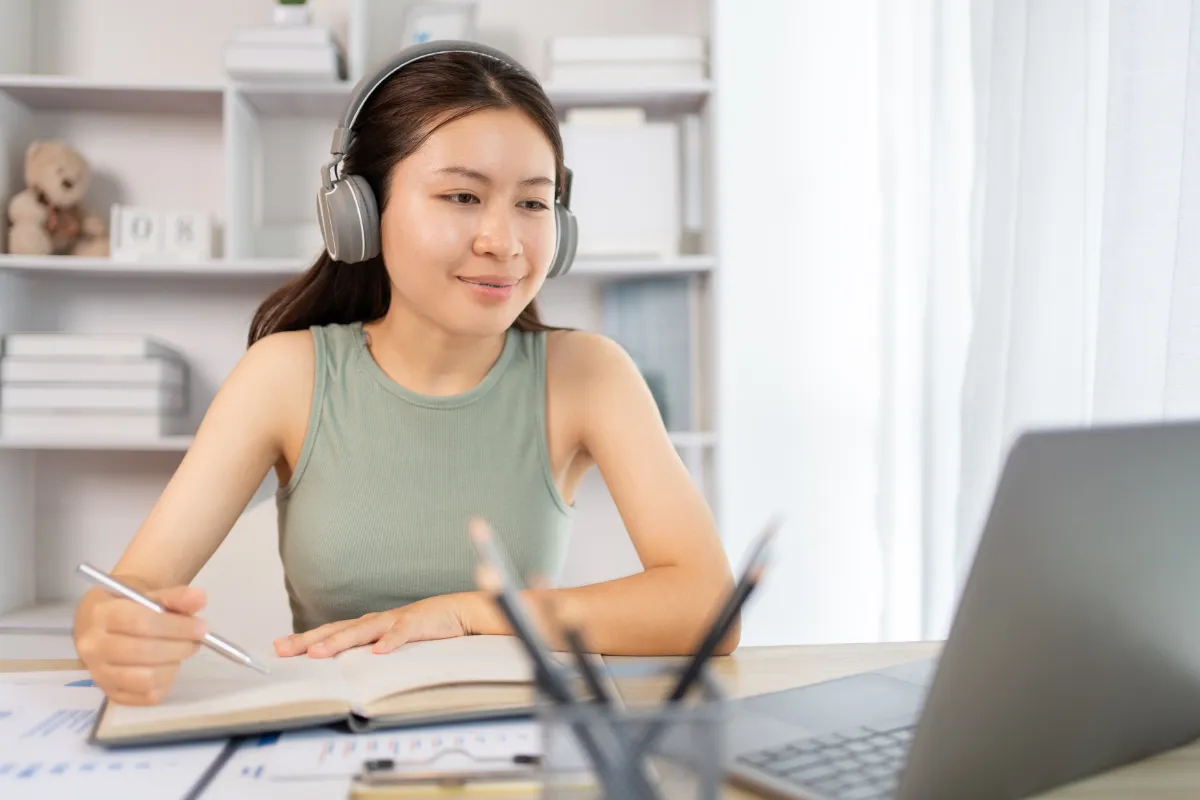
(44, 751)
(452, 748)
(50, 677)
(244, 777)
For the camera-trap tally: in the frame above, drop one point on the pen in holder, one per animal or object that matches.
(646, 751)
(674, 747)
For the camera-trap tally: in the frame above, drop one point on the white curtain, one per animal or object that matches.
(843, 157)
(942, 222)
(843, 162)
(797, 294)
(1084, 235)
(926, 149)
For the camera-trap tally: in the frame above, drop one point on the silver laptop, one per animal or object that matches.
(1075, 646)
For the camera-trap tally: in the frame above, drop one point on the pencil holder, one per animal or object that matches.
(636, 748)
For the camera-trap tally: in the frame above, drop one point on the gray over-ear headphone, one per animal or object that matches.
(346, 206)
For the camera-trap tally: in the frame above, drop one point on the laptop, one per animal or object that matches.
(1074, 648)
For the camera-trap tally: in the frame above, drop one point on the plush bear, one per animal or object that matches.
(48, 216)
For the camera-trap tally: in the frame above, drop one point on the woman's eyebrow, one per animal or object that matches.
(474, 174)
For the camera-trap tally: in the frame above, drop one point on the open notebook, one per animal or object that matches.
(459, 679)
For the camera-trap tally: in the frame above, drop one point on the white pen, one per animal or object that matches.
(222, 646)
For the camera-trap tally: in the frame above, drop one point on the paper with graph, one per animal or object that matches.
(44, 751)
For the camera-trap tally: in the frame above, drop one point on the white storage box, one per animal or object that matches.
(102, 398)
(626, 60)
(298, 62)
(82, 427)
(86, 346)
(626, 191)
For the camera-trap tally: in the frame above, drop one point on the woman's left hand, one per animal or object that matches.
(441, 617)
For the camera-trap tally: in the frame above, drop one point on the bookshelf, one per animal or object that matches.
(176, 134)
(66, 93)
(282, 266)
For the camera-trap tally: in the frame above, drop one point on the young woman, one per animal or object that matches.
(398, 397)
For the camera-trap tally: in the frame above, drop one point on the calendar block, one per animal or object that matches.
(179, 235)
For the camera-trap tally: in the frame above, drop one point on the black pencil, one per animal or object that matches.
(723, 622)
(490, 576)
(545, 673)
(720, 626)
(565, 616)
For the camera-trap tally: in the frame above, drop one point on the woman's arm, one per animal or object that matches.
(665, 609)
(239, 440)
(131, 651)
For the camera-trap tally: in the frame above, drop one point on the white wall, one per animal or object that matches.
(798, 308)
(17, 53)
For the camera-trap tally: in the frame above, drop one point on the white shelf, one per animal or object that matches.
(66, 93)
(693, 439)
(76, 265)
(641, 267)
(162, 444)
(327, 99)
(667, 98)
(38, 647)
(42, 618)
(251, 267)
(330, 99)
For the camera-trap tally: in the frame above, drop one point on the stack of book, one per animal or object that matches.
(90, 387)
(283, 53)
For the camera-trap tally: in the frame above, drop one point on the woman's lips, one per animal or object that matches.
(495, 287)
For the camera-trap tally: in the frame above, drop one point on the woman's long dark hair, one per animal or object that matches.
(399, 116)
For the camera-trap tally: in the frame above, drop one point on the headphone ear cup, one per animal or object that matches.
(567, 242)
(349, 220)
(370, 217)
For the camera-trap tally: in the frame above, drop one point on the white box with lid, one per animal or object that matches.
(640, 59)
(626, 191)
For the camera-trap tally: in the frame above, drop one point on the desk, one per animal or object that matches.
(753, 670)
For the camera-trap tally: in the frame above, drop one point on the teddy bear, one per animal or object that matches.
(48, 216)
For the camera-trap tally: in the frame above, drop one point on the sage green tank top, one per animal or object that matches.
(375, 514)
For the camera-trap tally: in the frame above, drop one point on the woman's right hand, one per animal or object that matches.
(133, 653)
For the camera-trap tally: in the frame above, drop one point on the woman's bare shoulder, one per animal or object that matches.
(286, 356)
(284, 345)
(277, 372)
(579, 358)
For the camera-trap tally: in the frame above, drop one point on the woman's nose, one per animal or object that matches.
(497, 236)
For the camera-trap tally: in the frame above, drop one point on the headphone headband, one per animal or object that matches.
(367, 85)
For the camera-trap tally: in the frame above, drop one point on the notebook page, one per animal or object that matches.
(208, 684)
(462, 659)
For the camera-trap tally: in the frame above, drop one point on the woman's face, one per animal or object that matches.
(468, 230)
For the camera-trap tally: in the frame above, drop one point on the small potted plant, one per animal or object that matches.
(292, 12)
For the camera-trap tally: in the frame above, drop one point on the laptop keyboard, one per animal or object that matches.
(857, 764)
